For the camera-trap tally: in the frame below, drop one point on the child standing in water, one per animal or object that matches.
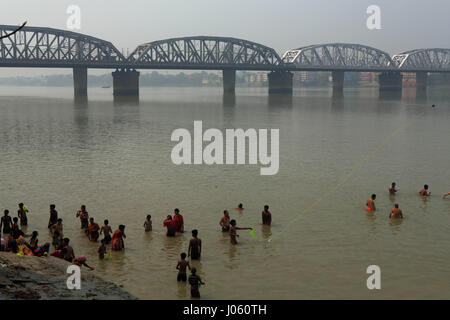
(22, 214)
(233, 233)
(106, 230)
(181, 267)
(266, 216)
(148, 223)
(195, 246)
(102, 250)
(195, 281)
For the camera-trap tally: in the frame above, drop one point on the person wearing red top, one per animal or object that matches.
(178, 218)
(171, 226)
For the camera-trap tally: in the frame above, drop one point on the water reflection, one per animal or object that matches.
(280, 100)
(229, 99)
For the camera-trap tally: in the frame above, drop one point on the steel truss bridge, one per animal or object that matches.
(53, 48)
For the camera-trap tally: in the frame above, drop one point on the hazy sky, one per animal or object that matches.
(281, 24)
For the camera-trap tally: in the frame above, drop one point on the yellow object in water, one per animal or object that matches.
(20, 254)
(108, 256)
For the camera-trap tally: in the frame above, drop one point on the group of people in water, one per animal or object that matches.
(396, 212)
(16, 238)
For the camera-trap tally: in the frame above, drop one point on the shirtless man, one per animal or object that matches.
(225, 221)
(106, 230)
(171, 226)
(370, 203)
(53, 216)
(93, 230)
(182, 267)
(67, 251)
(233, 233)
(58, 226)
(194, 281)
(195, 246)
(392, 190)
(396, 213)
(6, 222)
(424, 192)
(266, 216)
(84, 217)
(446, 195)
(22, 214)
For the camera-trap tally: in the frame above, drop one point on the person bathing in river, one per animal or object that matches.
(22, 214)
(182, 267)
(396, 213)
(81, 261)
(67, 250)
(102, 250)
(117, 242)
(424, 192)
(178, 218)
(148, 223)
(93, 230)
(84, 217)
(195, 246)
(266, 216)
(240, 207)
(233, 234)
(370, 203)
(58, 226)
(171, 226)
(53, 216)
(225, 221)
(392, 190)
(6, 222)
(107, 231)
(446, 195)
(194, 281)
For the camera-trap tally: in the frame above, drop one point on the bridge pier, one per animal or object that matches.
(338, 82)
(390, 83)
(421, 81)
(229, 81)
(80, 80)
(125, 85)
(280, 82)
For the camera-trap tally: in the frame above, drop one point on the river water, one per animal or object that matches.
(115, 159)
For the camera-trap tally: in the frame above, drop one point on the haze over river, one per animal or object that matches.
(116, 160)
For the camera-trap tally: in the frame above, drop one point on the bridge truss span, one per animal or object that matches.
(429, 60)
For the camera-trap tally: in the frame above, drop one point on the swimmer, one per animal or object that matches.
(178, 218)
(370, 203)
(194, 281)
(233, 233)
(392, 189)
(22, 214)
(446, 195)
(240, 207)
(424, 192)
(266, 216)
(225, 221)
(148, 223)
(182, 267)
(396, 213)
(171, 226)
(195, 246)
(106, 230)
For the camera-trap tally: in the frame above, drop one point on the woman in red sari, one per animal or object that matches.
(117, 239)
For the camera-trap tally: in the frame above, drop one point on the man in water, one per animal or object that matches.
(225, 221)
(266, 216)
(53, 216)
(93, 230)
(22, 214)
(233, 233)
(392, 189)
(240, 207)
(370, 203)
(194, 281)
(178, 218)
(171, 226)
(195, 246)
(6, 222)
(182, 267)
(58, 226)
(446, 195)
(67, 250)
(396, 213)
(84, 217)
(424, 192)
(106, 230)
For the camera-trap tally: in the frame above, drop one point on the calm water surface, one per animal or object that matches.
(116, 160)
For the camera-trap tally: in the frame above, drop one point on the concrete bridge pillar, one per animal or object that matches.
(229, 81)
(421, 81)
(80, 83)
(390, 81)
(125, 84)
(338, 82)
(280, 82)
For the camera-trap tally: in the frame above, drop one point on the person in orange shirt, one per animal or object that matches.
(424, 192)
(178, 219)
(370, 203)
(240, 207)
(396, 213)
(446, 195)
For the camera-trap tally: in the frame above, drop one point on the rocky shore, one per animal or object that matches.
(31, 277)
